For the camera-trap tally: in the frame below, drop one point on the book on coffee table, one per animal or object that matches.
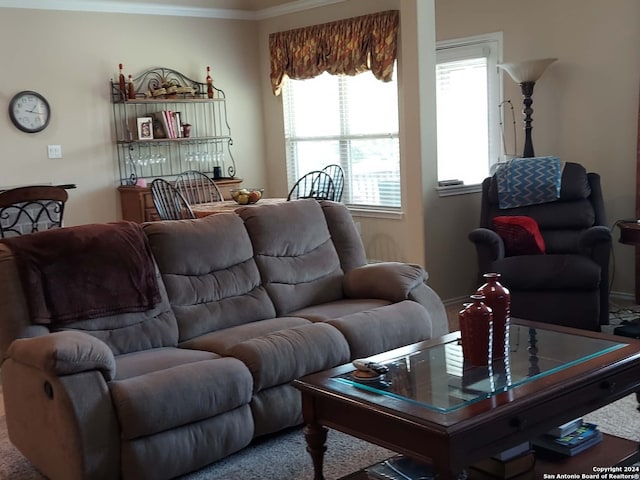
(566, 428)
(512, 452)
(575, 442)
(400, 467)
(507, 469)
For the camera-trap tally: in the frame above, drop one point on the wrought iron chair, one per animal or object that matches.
(30, 209)
(337, 175)
(315, 184)
(169, 202)
(196, 187)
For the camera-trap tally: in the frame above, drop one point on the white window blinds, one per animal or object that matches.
(351, 121)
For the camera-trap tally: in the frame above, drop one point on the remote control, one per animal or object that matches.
(365, 365)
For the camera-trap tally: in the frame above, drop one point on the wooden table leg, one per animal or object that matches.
(316, 436)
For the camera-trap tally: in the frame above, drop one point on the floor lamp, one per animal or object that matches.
(526, 74)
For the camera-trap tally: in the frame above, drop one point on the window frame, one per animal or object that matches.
(447, 50)
(342, 138)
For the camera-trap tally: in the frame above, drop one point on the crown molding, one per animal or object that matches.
(292, 7)
(106, 6)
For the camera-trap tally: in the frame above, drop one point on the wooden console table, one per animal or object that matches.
(630, 235)
(137, 204)
(206, 209)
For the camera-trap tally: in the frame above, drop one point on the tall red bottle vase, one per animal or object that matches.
(476, 332)
(209, 83)
(122, 83)
(498, 298)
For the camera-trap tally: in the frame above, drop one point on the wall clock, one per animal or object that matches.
(29, 111)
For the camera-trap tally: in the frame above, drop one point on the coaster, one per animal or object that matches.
(366, 376)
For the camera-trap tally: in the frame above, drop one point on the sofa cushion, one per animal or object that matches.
(155, 359)
(171, 453)
(169, 398)
(221, 341)
(132, 332)
(344, 235)
(384, 328)
(285, 355)
(209, 272)
(573, 210)
(294, 251)
(276, 408)
(548, 272)
(339, 308)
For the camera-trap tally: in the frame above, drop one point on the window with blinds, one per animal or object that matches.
(467, 95)
(351, 121)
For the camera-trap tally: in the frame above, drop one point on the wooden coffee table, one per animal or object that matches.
(433, 407)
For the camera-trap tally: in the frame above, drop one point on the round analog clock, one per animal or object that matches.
(29, 111)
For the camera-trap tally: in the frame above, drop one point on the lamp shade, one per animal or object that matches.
(527, 71)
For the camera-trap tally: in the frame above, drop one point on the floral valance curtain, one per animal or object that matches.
(347, 47)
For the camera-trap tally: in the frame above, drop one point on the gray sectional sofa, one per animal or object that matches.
(198, 362)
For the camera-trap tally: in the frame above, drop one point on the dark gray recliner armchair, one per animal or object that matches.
(568, 284)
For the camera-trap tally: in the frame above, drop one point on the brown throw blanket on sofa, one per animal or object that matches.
(110, 264)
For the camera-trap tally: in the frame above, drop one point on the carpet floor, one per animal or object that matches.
(283, 456)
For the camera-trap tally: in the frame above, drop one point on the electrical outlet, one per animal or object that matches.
(54, 151)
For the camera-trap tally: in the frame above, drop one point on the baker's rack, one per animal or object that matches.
(207, 149)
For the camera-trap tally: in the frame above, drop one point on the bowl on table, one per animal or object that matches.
(246, 196)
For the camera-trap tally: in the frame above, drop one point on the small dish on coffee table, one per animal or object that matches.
(363, 376)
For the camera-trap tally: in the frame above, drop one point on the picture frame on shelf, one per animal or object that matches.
(145, 128)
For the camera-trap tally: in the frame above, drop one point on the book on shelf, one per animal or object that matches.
(400, 467)
(168, 114)
(584, 437)
(566, 428)
(158, 128)
(177, 123)
(507, 469)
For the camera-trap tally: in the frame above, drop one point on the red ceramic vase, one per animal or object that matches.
(476, 332)
(498, 298)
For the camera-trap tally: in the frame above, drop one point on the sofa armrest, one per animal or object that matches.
(489, 247)
(593, 239)
(595, 243)
(64, 353)
(391, 281)
(488, 242)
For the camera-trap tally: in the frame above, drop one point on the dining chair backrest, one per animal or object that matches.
(169, 202)
(30, 209)
(196, 187)
(336, 173)
(315, 184)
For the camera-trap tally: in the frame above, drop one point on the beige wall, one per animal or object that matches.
(585, 105)
(70, 57)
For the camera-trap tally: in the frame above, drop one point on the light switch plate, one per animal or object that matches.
(54, 151)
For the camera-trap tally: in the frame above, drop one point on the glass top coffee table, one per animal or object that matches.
(434, 407)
